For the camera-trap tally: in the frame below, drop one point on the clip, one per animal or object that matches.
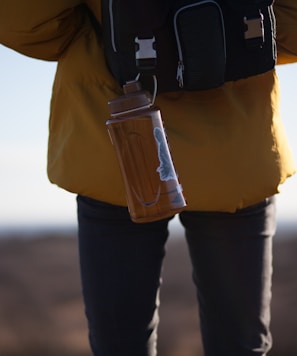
(145, 53)
(254, 30)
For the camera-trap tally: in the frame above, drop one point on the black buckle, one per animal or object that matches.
(254, 30)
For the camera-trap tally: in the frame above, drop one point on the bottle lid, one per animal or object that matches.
(134, 99)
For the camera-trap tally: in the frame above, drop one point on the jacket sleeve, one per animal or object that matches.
(39, 29)
(286, 30)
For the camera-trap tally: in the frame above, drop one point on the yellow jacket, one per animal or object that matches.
(228, 144)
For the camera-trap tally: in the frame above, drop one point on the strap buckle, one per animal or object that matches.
(145, 53)
(254, 30)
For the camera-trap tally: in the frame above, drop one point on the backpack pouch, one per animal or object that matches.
(200, 39)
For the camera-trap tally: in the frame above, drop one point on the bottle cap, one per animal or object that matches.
(134, 98)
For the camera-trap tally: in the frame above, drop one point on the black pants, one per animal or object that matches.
(121, 266)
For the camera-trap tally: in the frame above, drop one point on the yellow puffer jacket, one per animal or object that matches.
(228, 143)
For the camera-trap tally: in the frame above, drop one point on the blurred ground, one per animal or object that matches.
(41, 311)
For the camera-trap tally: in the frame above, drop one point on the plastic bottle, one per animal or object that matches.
(136, 129)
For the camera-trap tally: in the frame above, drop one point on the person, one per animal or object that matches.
(231, 154)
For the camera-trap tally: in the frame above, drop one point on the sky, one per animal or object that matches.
(27, 198)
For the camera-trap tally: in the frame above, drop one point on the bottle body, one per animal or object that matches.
(152, 188)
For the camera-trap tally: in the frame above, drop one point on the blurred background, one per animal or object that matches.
(41, 310)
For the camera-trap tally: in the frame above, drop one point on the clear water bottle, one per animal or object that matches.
(136, 129)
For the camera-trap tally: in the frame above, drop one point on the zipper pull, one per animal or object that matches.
(180, 74)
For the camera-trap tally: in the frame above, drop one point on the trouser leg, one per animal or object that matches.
(120, 270)
(232, 268)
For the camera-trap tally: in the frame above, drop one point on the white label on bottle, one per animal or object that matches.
(165, 170)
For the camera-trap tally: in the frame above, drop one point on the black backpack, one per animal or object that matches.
(188, 44)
